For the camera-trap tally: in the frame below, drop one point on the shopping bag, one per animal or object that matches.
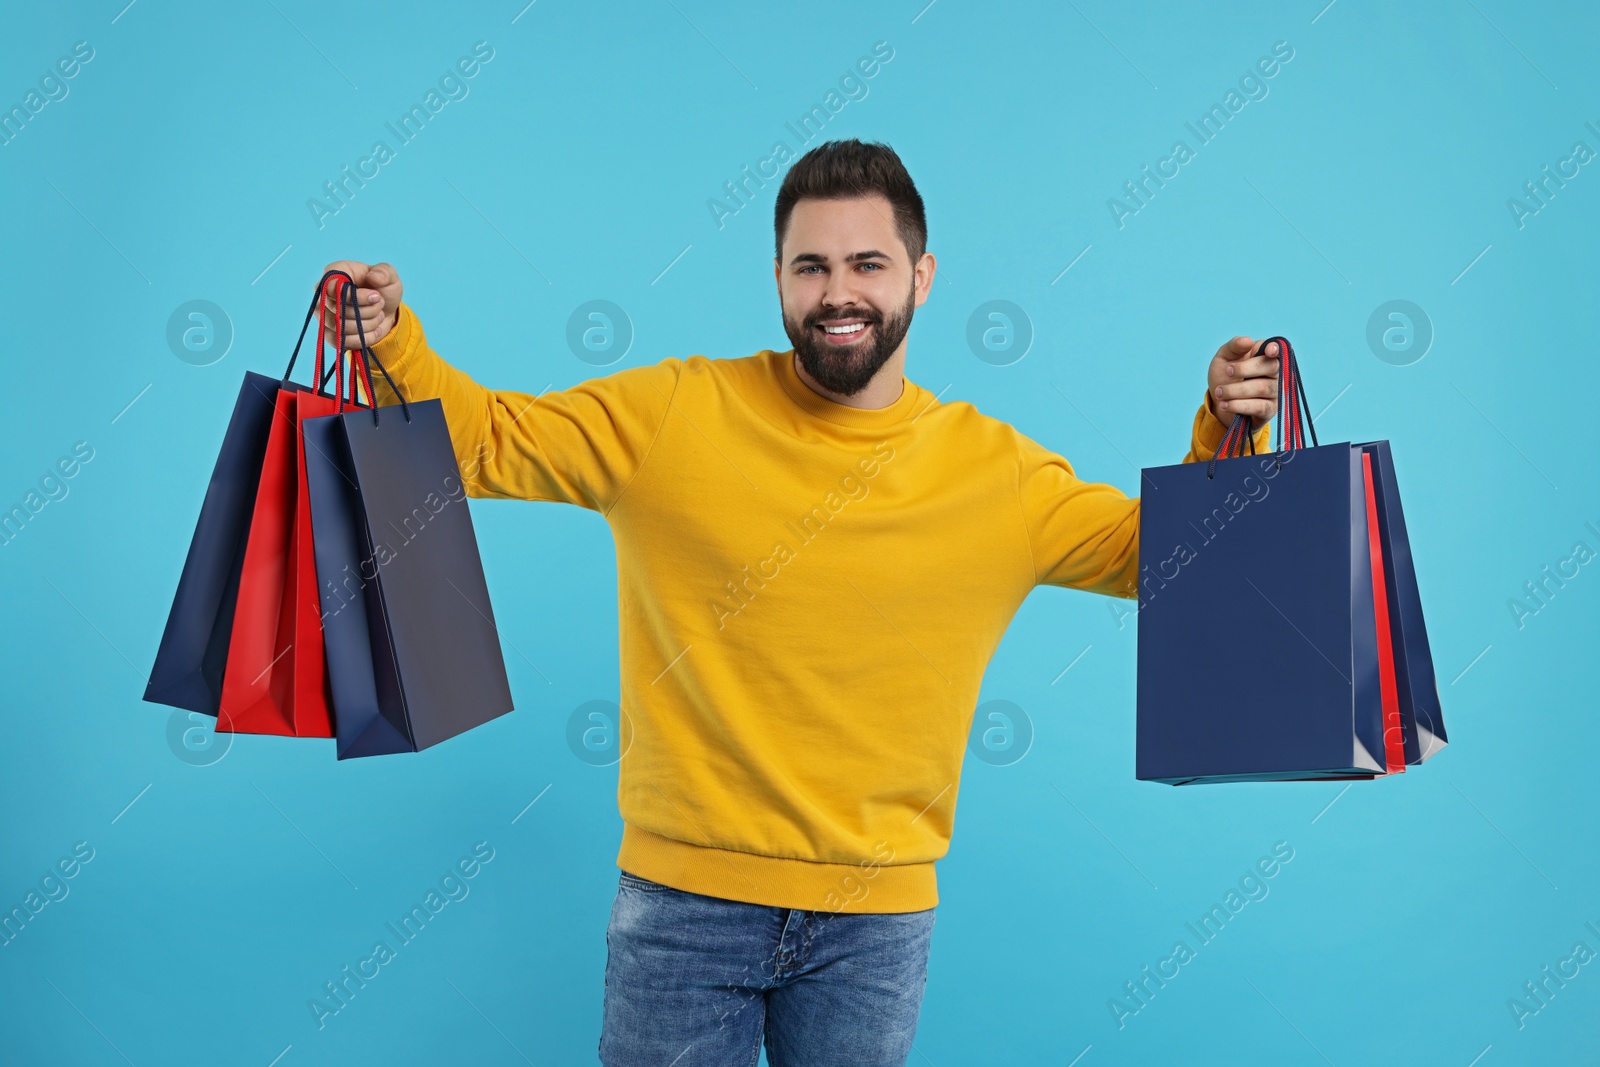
(187, 672)
(190, 659)
(1393, 758)
(412, 649)
(275, 680)
(1272, 554)
(1421, 718)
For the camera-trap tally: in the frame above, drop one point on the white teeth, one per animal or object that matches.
(852, 328)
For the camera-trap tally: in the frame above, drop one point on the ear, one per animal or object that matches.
(923, 277)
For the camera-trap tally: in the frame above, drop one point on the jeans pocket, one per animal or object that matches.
(641, 885)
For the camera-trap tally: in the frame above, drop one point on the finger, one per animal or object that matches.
(1254, 367)
(1266, 388)
(355, 326)
(364, 299)
(368, 281)
(1258, 409)
(367, 331)
(353, 267)
(366, 313)
(336, 295)
(342, 311)
(1235, 349)
(386, 279)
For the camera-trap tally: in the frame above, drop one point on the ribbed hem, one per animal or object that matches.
(865, 888)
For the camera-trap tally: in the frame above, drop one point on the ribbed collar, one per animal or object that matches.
(913, 398)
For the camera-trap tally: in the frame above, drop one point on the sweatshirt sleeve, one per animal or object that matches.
(580, 445)
(1085, 535)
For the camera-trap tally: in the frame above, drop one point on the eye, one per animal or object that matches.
(876, 266)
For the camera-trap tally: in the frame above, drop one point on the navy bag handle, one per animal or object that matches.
(362, 366)
(316, 298)
(1289, 415)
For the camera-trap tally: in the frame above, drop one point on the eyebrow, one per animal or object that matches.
(817, 257)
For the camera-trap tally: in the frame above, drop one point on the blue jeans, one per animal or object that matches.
(698, 981)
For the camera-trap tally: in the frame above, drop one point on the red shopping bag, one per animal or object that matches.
(1393, 737)
(276, 679)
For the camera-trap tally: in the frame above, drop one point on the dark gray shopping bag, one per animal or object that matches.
(413, 653)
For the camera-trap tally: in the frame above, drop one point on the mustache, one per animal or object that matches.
(831, 318)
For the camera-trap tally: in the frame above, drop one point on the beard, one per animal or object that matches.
(846, 369)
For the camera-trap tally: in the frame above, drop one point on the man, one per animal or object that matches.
(815, 560)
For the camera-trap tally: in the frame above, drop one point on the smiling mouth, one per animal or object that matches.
(843, 332)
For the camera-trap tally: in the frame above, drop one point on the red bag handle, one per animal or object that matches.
(333, 285)
(332, 289)
(338, 284)
(317, 296)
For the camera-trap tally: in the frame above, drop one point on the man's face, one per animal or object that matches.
(847, 289)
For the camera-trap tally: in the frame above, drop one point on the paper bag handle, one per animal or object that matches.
(316, 302)
(1294, 417)
(361, 357)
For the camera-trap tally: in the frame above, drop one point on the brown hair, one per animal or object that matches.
(842, 170)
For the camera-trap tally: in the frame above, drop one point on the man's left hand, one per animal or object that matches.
(1243, 384)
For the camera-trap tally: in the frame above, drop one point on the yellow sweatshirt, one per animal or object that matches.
(808, 596)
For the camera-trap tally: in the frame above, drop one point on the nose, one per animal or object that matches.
(840, 292)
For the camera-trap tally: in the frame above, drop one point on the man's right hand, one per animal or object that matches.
(378, 292)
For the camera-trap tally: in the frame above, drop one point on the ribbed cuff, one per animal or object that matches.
(395, 351)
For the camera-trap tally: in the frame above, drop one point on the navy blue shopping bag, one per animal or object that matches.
(1258, 654)
(187, 672)
(1422, 719)
(412, 649)
(189, 663)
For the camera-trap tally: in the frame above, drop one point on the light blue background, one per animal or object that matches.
(579, 166)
